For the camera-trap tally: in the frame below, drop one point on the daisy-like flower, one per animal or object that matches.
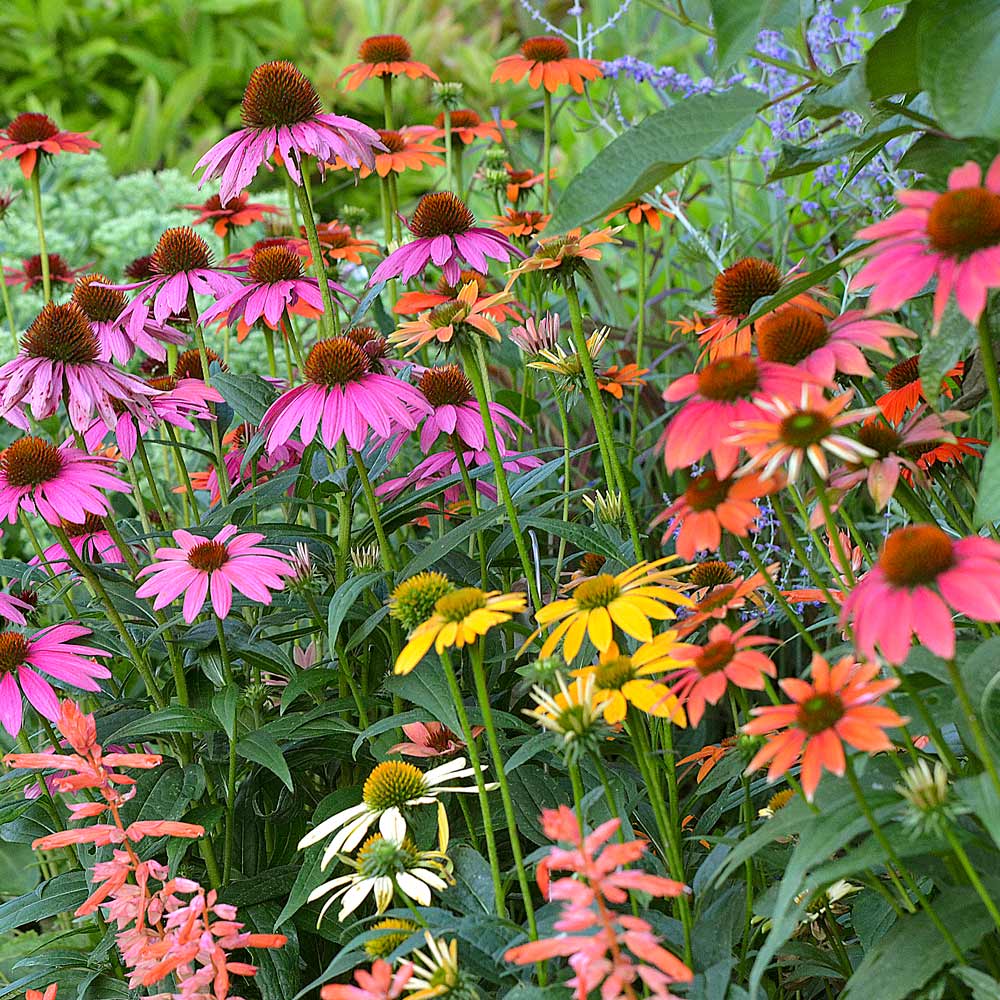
(710, 505)
(30, 135)
(796, 335)
(460, 618)
(729, 657)
(431, 739)
(342, 398)
(906, 391)
(91, 541)
(546, 62)
(29, 274)
(723, 392)
(641, 213)
(238, 211)
(951, 235)
(436, 973)
(735, 290)
(383, 866)
(281, 111)
(182, 265)
(948, 453)
(595, 606)
(536, 338)
(520, 225)
(200, 567)
(787, 436)
(614, 379)
(336, 242)
(384, 55)
(58, 484)
(521, 181)
(921, 576)
(560, 257)
(392, 787)
(720, 591)
(567, 366)
(413, 601)
(379, 984)
(59, 361)
(445, 294)
(103, 306)
(623, 679)
(52, 651)
(837, 706)
(408, 148)
(574, 712)
(466, 314)
(445, 233)
(467, 126)
(392, 933)
(275, 283)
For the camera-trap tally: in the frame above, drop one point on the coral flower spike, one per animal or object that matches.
(837, 707)
(546, 62)
(31, 134)
(281, 111)
(384, 55)
(951, 235)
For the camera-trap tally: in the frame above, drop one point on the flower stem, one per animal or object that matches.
(36, 195)
(388, 555)
(640, 335)
(989, 360)
(470, 492)
(328, 321)
(230, 842)
(972, 874)
(965, 702)
(5, 291)
(448, 141)
(387, 99)
(546, 146)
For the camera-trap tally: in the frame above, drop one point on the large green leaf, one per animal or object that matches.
(62, 894)
(706, 125)
(277, 968)
(951, 340)
(248, 395)
(173, 719)
(739, 22)
(263, 749)
(427, 687)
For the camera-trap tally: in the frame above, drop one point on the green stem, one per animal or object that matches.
(5, 291)
(975, 881)
(470, 492)
(388, 555)
(328, 321)
(387, 100)
(230, 842)
(567, 477)
(151, 480)
(640, 334)
(989, 360)
(344, 516)
(982, 746)
(36, 195)
(547, 146)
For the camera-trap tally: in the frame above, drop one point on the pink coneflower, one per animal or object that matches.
(31, 134)
(342, 398)
(103, 306)
(796, 335)
(446, 234)
(51, 651)
(213, 566)
(13, 608)
(238, 211)
(724, 391)
(537, 337)
(430, 739)
(29, 274)
(384, 55)
(920, 576)
(241, 469)
(281, 111)
(952, 235)
(91, 541)
(276, 283)
(182, 265)
(729, 657)
(59, 361)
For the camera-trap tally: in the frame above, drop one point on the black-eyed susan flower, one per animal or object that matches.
(459, 618)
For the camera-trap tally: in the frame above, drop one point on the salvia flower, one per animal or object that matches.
(921, 576)
(952, 235)
(29, 274)
(381, 983)
(237, 211)
(445, 233)
(200, 567)
(281, 111)
(31, 134)
(837, 706)
(546, 62)
(384, 55)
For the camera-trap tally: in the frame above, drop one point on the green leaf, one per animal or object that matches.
(936, 156)
(18, 873)
(427, 687)
(959, 52)
(343, 600)
(739, 22)
(706, 125)
(801, 159)
(224, 706)
(988, 491)
(263, 749)
(62, 894)
(890, 67)
(953, 338)
(173, 719)
(473, 888)
(277, 968)
(248, 395)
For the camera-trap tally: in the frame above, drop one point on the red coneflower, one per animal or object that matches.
(29, 274)
(238, 211)
(30, 134)
(337, 242)
(467, 126)
(384, 55)
(546, 62)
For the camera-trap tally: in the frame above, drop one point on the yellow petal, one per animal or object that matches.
(574, 636)
(599, 627)
(415, 650)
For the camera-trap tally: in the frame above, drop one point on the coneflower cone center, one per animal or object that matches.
(819, 713)
(91, 525)
(278, 94)
(270, 265)
(61, 333)
(31, 127)
(13, 650)
(446, 386)
(392, 784)
(706, 492)
(804, 428)
(336, 361)
(413, 601)
(30, 461)
(903, 374)
(462, 118)
(100, 305)
(790, 334)
(189, 364)
(441, 214)
(597, 593)
(459, 604)
(964, 221)
(729, 379)
(179, 250)
(714, 657)
(381, 858)
(545, 48)
(591, 563)
(880, 437)
(208, 556)
(916, 555)
(445, 314)
(613, 675)
(385, 48)
(58, 268)
(712, 573)
(392, 141)
(738, 287)
(397, 931)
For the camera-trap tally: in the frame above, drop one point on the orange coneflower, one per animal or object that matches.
(411, 303)
(546, 62)
(614, 379)
(384, 55)
(906, 390)
(408, 148)
(521, 225)
(467, 126)
(30, 135)
(565, 254)
(337, 242)
(641, 212)
(519, 181)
